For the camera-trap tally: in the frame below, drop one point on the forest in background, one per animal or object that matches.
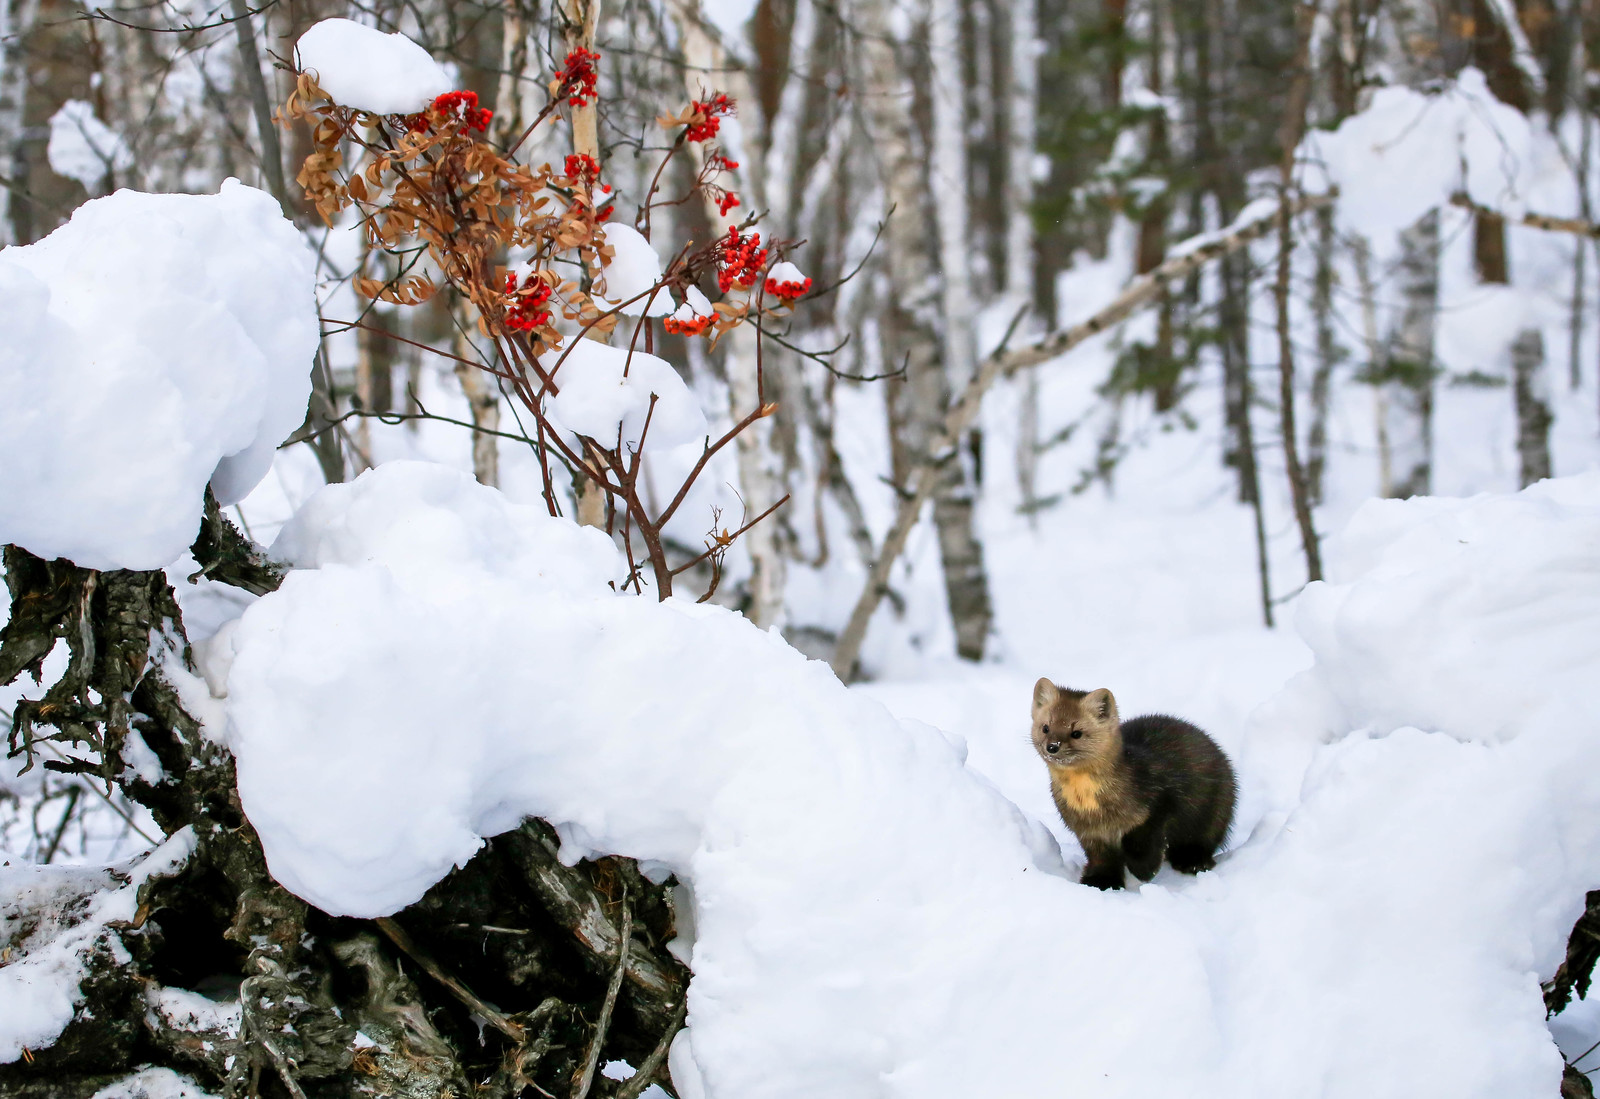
(944, 163)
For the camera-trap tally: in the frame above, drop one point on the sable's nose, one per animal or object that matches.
(1053, 747)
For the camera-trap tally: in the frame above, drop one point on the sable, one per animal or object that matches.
(1135, 793)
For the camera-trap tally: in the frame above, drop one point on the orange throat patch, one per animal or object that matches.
(1078, 787)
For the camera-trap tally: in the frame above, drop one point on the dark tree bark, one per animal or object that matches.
(1532, 388)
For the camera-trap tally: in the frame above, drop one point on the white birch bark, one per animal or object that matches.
(947, 90)
(17, 18)
(909, 326)
(1022, 107)
(760, 475)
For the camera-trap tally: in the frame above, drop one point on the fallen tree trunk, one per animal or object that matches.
(495, 984)
(1184, 260)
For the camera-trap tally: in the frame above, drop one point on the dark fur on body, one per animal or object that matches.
(1133, 792)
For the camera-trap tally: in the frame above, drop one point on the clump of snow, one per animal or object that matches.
(1409, 151)
(369, 70)
(634, 268)
(784, 271)
(695, 306)
(84, 148)
(153, 1083)
(154, 343)
(67, 913)
(870, 916)
(181, 1009)
(605, 388)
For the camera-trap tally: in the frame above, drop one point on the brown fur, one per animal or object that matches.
(1133, 793)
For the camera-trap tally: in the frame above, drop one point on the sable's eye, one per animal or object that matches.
(1077, 734)
(1045, 730)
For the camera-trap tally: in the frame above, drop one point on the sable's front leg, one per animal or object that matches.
(1105, 865)
(1144, 847)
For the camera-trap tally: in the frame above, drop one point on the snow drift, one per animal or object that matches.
(870, 916)
(153, 343)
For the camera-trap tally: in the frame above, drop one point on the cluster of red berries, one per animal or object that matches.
(712, 111)
(578, 78)
(788, 291)
(740, 261)
(582, 166)
(727, 202)
(694, 326)
(525, 314)
(462, 105)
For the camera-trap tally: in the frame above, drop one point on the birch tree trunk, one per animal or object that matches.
(760, 472)
(17, 18)
(954, 509)
(1407, 383)
(578, 21)
(1022, 123)
(1328, 354)
(910, 332)
(1532, 389)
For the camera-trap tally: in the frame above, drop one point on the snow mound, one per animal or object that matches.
(606, 389)
(871, 917)
(153, 343)
(369, 70)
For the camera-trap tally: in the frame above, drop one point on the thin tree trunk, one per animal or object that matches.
(921, 397)
(1022, 122)
(1289, 140)
(760, 472)
(1533, 406)
(1580, 257)
(1361, 253)
(1409, 367)
(17, 18)
(578, 21)
(1239, 393)
(1327, 359)
(955, 508)
(483, 400)
(261, 104)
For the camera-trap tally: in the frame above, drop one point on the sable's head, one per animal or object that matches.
(1072, 727)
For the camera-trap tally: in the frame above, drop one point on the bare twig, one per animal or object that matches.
(604, 1022)
(634, 1086)
(403, 940)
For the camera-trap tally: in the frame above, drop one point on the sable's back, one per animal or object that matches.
(1172, 751)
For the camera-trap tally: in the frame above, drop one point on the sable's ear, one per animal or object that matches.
(1101, 704)
(1044, 696)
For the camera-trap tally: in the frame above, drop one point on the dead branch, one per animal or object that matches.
(1576, 226)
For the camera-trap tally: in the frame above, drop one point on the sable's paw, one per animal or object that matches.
(1192, 861)
(1103, 880)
